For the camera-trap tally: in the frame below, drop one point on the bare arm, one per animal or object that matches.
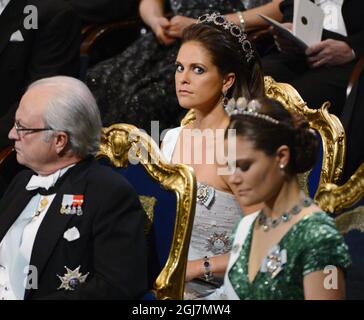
(320, 285)
(218, 265)
(251, 18)
(178, 24)
(151, 12)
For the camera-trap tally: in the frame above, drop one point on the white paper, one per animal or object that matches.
(308, 21)
(285, 32)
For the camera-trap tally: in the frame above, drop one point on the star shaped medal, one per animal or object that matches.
(72, 279)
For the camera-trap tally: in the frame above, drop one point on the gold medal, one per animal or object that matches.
(42, 205)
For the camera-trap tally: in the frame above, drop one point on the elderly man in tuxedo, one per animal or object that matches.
(70, 228)
(38, 39)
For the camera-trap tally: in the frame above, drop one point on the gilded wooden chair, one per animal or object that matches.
(5, 154)
(330, 164)
(167, 193)
(337, 198)
(346, 201)
(332, 152)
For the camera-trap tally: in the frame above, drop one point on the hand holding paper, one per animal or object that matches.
(329, 52)
(307, 27)
(284, 36)
(308, 21)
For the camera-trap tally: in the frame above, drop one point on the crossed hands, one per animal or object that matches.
(326, 53)
(167, 31)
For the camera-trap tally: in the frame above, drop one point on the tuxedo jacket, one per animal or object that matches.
(52, 49)
(352, 11)
(111, 246)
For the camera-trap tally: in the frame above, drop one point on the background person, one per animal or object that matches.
(322, 72)
(140, 79)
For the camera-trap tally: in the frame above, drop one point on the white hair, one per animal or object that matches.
(73, 109)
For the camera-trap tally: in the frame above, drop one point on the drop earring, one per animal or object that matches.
(282, 167)
(225, 100)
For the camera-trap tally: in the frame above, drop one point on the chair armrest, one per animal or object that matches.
(86, 29)
(94, 33)
(5, 153)
(355, 74)
(334, 198)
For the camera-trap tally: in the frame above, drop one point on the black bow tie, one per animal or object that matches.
(54, 189)
(45, 192)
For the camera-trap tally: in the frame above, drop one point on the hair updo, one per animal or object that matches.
(292, 130)
(227, 55)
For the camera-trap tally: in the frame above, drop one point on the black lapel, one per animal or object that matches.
(54, 223)
(13, 203)
(11, 20)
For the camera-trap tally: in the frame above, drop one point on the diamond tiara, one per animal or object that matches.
(241, 106)
(234, 30)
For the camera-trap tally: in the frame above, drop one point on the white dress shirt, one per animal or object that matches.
(17, 245)
(333, 20)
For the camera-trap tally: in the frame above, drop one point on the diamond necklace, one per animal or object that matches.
(267, 222)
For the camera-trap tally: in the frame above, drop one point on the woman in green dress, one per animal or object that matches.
(291, 249)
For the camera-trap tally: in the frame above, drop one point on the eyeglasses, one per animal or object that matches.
(19, 128)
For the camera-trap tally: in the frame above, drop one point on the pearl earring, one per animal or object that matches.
(281, 167)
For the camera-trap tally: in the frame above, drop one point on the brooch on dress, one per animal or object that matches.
(218, 243)
(72, 279)
(205, 194)
(274, 261)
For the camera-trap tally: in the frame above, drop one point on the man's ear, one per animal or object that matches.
(61, 140)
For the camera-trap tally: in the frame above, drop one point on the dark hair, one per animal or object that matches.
(227, 54)
(292, 130)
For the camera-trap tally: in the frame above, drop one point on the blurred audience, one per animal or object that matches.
(322, 72)
(39, 38)
(98, 11)
(353, 119)
(34, 45)
(139, 81)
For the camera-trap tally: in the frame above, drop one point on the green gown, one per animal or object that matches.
(312, 244)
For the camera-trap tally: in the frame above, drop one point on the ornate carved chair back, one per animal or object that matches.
(332, 135)
(167, 193)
